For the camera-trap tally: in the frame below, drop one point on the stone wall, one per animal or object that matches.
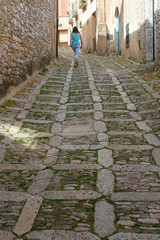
(141, 26)
(27, 38)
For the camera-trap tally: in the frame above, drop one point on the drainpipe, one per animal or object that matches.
(153, 32)
(57, 33)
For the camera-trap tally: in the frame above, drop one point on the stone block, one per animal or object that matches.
(28, 215)
(104, 219)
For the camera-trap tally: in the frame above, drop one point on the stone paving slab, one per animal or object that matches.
(59, 235)
(134, 236)
(27, 215)
(104, 219)
(6, 235)
(136, 196)
(80, 195)
(6, 196)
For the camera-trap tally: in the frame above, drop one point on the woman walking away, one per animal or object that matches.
(76, 43)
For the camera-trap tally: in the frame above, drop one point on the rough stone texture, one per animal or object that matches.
(102, 137)
(104, 219)
(77, 166)
(143, 126)
(56, 128)
(52, 153)
(156, 155)
(137, 168)
(13, 196)
(81, 194)
(40, 182)
(78, 128)
(56, 141)
(136, 116)
(71, 176)
(61, 117)
(28, 215)
(152, 139)
(134, 236)
(32, 43)
(59, 235)
(98, 115)
(100, 126)
(136, 196)
(148, 220)
(15, 128)
(131, 107)
(27, 167)
(4, 235)
(105, 157)
(98, 106)
(105, 182)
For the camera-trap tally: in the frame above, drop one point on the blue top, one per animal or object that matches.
(75, 39)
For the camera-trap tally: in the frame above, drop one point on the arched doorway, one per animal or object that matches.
(116, 30)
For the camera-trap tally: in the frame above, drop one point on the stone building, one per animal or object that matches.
(130, 28)
(63, 26)
(27, 39)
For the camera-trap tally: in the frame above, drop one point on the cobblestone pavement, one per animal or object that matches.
(80, 156)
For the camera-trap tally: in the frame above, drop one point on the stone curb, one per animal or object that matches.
(135, 196)
(60, 235)
(10, 196)
(79, 195)
(27, 215)
(134, 236)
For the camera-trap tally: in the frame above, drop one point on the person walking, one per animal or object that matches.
(76, 44)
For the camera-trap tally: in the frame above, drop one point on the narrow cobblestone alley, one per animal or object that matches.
(80, 156)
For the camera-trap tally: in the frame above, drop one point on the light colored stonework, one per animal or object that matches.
(6, 235)
(27, 167)
(102, 137)
(56, 141)
(6, 196)
(77, 166)
(156, 155)
(98, 115)
(105, 157)
(152, 139)
(80, 195)
(136, 116)
(134, 236)
(40, 182)
(59, 235)
(136, 196)
(98, 106)
(105, 182)
(26, 49)
(56, 128)
(143, 126)
(104, 219)
(100, 126)
(131, 107)
(28, 215)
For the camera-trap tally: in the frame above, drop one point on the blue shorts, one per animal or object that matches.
(76, 49)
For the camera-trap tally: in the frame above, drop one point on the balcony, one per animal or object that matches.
(82, 4)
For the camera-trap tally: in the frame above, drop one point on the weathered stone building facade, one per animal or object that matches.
(131, 28)
(63, 22)
(157, 20)
(27, 38)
